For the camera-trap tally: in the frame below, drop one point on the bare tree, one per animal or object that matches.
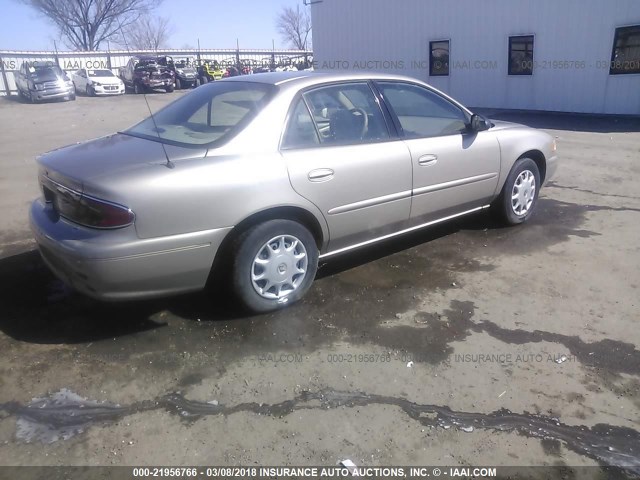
(148, 33)
(85, 24)
(294, 26)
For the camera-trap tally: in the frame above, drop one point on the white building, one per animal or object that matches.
(556, 55)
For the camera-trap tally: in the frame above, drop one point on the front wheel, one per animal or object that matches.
(275, 263)
(178, 84)
(519, 195)
(137, 88)
(168, 88)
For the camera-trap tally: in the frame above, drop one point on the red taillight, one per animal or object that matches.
(101, 214)
(89, 211)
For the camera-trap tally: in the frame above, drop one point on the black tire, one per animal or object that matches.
(137, 88)
(178, 84)
(72, 97)
(168, 88)
(89, 91)
(205, 79)
(503, 206)
(247, 247)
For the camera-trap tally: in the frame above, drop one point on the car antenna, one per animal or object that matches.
(169, 163)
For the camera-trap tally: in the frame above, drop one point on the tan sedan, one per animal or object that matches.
(254, 178)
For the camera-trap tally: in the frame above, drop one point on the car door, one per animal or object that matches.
(454, 169)
(80, 80)
(341, 156)
(20, 78)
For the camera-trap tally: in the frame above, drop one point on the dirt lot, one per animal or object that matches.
(523, 341)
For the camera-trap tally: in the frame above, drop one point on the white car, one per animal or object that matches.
(97, 82)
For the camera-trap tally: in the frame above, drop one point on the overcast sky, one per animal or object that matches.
(216, 22)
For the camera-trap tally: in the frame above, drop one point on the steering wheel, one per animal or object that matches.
(365, 120)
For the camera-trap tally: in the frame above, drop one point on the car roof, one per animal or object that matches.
(305, 78)
(295, 81)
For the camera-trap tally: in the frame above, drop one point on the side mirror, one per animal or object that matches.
(478, 123)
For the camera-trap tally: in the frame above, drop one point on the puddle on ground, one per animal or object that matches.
(61, 416)
(64, 414)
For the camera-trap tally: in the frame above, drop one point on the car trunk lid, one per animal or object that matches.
(97, 162)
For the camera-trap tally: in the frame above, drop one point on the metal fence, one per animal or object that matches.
(10, 61)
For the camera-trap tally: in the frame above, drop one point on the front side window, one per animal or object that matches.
(421, 112)
(347, 114)
(625, 57)
(206, 116)
(521, 55)
(439, 58)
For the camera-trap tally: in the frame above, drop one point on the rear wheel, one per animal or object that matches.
(519, 195)
(178, 84)
(205, 79)
(275, 263)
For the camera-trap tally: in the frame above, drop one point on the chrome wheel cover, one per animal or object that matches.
(523, 193)
(280, 267)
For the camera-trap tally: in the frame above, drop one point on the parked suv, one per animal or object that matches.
(143, 73)
(184, 73)
(37, 81)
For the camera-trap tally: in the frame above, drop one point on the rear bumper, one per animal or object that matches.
(116, 265)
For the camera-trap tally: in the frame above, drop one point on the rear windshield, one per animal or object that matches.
(209, 115)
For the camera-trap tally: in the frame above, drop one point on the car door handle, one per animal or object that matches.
(428, 160)
(321, 175)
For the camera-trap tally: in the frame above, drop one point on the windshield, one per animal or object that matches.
(183, 64)
(208, 115)
(146, 64)
(101, 73)
(46, 72)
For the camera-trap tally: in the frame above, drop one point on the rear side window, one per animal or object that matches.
(421, 112)
(209, 115)
(301, 131)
